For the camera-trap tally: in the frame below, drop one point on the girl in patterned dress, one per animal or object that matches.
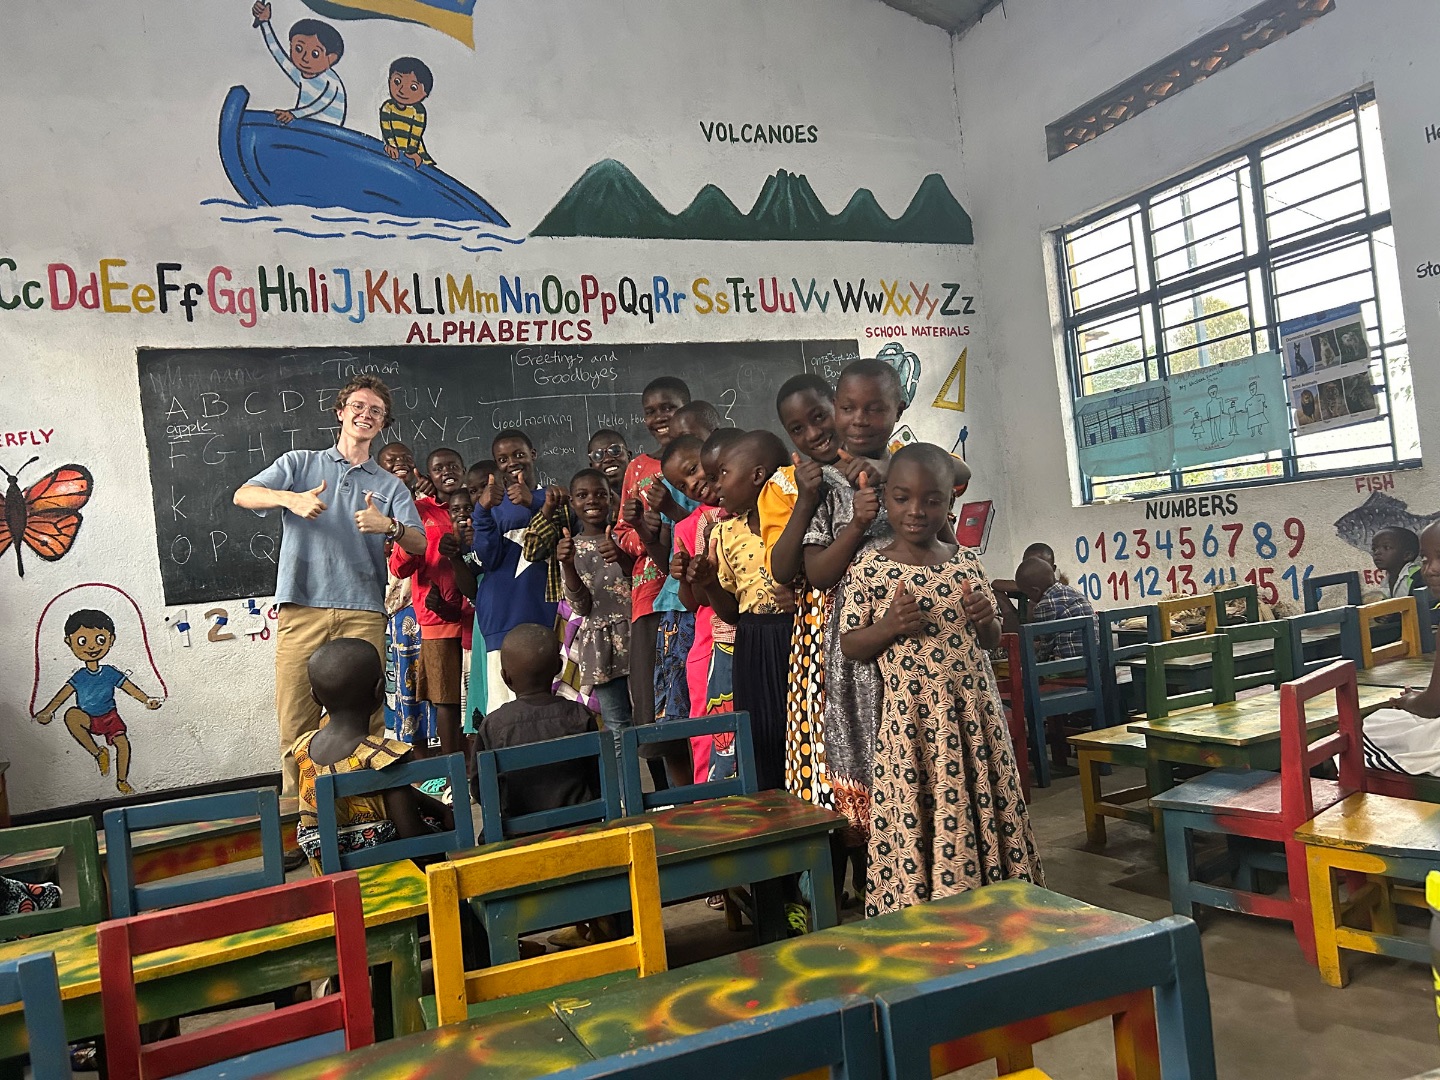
(946, 809)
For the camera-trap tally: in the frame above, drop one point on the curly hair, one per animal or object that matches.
(375, 385)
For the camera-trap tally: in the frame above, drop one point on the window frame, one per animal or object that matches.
(1147, 305)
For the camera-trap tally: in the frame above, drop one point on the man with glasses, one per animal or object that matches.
(339, 507)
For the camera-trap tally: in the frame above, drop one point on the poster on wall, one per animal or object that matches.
(1327, 360)
(1216, 413)
(1230, 410)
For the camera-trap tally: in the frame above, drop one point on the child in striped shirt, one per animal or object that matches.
(315, 49)
(402, 116)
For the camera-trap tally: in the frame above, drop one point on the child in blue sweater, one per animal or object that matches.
(508, 595)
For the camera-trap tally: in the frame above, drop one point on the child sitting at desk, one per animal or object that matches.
(347, 678)
(1050, 599)
(529, 662)
(1396, 550)
(1405, 736)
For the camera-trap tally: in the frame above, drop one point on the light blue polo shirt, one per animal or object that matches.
(328, 562)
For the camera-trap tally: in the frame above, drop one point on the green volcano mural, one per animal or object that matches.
(610, 201)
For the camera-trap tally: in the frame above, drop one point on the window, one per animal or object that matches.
(1207, 267)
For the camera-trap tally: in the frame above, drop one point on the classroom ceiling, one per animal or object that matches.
(957, 16)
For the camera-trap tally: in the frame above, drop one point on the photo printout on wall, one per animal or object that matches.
(1327, 365)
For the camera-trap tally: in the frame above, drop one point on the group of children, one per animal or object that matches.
(818, 588)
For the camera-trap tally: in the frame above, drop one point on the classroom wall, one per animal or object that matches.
(1044, 58)
(116, 203)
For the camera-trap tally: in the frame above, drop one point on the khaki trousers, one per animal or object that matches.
(299, 631)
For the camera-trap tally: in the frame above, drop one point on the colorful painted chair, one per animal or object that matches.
(1094, 751)
(1383, 847)
(491, 766)
(525, 868)
(128, 898)
(1281, 667)
(1012, 698)
(1077, 689)
(1153, 970)
(1408, 643)
(1242, 805)
(1204, 602)
(332, 786)
(1250, 594)
(1428, 614)
(1158, 699)
(1315, 584)
(57, 843)
(1312, 656)
(251, 1045)
(32, 983)
(836, 1036)
(1113, 654)
(743, 782)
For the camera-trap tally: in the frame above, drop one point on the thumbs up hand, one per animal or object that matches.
(308, 504)
(370, 520)
(867, 503)
(679, 563)
(904, 615)
(565, 548)
(978, 608)
(809, 480)
(609, 550)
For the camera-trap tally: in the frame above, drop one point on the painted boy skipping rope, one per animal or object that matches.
(90, 635)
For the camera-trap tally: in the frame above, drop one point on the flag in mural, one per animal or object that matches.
(453, 17)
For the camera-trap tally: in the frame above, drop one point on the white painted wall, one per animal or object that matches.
(1044, 58)
(111, 153)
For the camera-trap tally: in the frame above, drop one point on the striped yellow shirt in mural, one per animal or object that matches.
(403, 127)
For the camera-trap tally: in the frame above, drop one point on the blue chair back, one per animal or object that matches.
(332, 786)
(742, 783)
(1425, 606)
(491, 765)
(31, 982)
(1164, 956)
(1113, 654)
(1347, 619)
(1315, 583)
(1064, 700)
(127, 898)
(837, 1034)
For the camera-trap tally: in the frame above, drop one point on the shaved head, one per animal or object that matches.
(344, 673)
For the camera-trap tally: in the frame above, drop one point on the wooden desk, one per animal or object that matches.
(158, 854)
(994, 923)
(1242, 734)
(1399, 674)
(1185, 674)
(180, 981)
(702, 849)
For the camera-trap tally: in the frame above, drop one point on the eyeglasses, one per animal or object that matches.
(375, 412)
(613, 450)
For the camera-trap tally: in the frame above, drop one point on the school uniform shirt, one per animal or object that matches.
(1407, 581)
(1061, 601)
(513, 588)
(740, 568)
(544, 787)
(430, 571)
(327, 562)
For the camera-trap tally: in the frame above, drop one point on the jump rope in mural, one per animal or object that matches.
(45, 517)
(102, 623)
(306, 156)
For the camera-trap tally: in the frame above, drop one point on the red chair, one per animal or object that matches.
(1257, 805)
(287, 1036)
(1012, 696)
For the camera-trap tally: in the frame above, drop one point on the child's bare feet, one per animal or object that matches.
(102, 758)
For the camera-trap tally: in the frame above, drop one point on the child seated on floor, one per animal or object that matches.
(529, 662)
(347, 679)
(1050, 598)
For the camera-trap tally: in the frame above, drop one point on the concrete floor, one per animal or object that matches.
(1273, 1017)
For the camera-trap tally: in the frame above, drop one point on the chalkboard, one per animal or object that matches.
(215, 417)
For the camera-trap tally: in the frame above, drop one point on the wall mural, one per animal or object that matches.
(312, 154)
(97, 623)
(45, 517)
(1379, 511)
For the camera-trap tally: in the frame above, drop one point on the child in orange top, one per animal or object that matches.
(739, 588)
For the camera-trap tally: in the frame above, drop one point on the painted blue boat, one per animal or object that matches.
(309, 163)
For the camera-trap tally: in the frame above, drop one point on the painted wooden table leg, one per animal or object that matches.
(770, 924)
(822, 885)
(1090, 797)
(1016, 1058)
(405, 1016)
(1178, 843)
(1325, 915)
(1137, 1044)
